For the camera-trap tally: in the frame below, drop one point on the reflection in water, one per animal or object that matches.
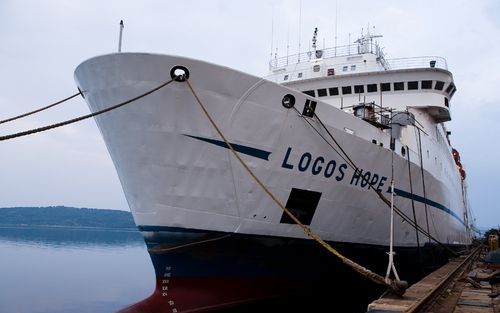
(72, 270)
(64, 236)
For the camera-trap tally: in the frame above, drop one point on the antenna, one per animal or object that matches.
(349, 45)
(336, 21)
(272, 33)
(120, 38)
(287, 45)
(300, 22)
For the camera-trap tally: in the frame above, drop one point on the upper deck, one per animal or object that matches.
(345, 60)
(346, 76)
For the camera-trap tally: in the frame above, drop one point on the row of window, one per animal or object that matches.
(397, 86)
(316, 68)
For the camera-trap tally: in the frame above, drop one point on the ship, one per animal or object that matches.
(329, 132)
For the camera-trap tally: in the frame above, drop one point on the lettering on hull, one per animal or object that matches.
(319, 165)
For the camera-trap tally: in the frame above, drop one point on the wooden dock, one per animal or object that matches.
(453, 288)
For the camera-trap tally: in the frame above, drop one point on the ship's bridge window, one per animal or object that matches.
(450, 87)
(334, 91)
(299, 75)
(353, 67)
(346, 90)
(427, 84)
(446, 102)
(310, 93)
(359, 89)
(385, 87)
(322, 92)
(345, 68)
(286, 77)
(316, 68)
(412, 85)
(439, 85)
(399, 86)
(453, 91)
(371, 87)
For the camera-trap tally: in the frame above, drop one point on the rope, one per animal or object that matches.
(397, 288)
(81, 118)
(40, 109)
(381, 196)
(412, 201)
(423, 180)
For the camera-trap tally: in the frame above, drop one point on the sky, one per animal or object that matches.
(42, 42)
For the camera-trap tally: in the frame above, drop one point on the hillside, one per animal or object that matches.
(66, 216)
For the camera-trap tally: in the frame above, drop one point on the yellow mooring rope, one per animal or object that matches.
(396, 287)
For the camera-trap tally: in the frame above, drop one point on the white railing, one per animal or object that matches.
(326, 54)
(389, 64)
(417, 62)
(278, 75)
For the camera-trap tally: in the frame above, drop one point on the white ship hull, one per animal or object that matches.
(178, 175)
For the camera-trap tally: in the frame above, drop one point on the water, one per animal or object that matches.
(56, 270)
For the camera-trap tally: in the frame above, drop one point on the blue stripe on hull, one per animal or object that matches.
(257, 153)
(421, 199)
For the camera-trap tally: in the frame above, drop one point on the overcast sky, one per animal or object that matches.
(42, 42)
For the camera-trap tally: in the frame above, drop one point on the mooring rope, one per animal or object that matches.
(379, 193)
(395, 286)
(40, 109)
(81, 118)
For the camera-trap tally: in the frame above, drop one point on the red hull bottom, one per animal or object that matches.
(182, 295)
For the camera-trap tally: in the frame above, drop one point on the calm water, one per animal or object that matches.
(72, 270)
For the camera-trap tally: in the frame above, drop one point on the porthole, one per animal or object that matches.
(288, 101)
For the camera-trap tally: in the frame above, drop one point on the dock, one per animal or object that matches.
(464, 285)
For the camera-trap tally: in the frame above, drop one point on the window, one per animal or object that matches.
(427, 84)
(446, 102)
(450, 87)
(286, 77)
(359, 89)
(322, 92)
(412, 85)
(385, 87)
(344, 69)
(299, 75)
(371, 87)
(439, 85)
(331, 72)
(334, 91)
(346, 90)
(399, 86)
(453, 91)
(316, 68)
(310, 93)
(353, 67)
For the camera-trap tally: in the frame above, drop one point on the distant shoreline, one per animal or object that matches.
(61, 217)
(61, 227)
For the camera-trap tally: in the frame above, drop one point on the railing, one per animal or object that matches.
(325, 54)
(417, 62)
(279, 74)
(357, 49)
